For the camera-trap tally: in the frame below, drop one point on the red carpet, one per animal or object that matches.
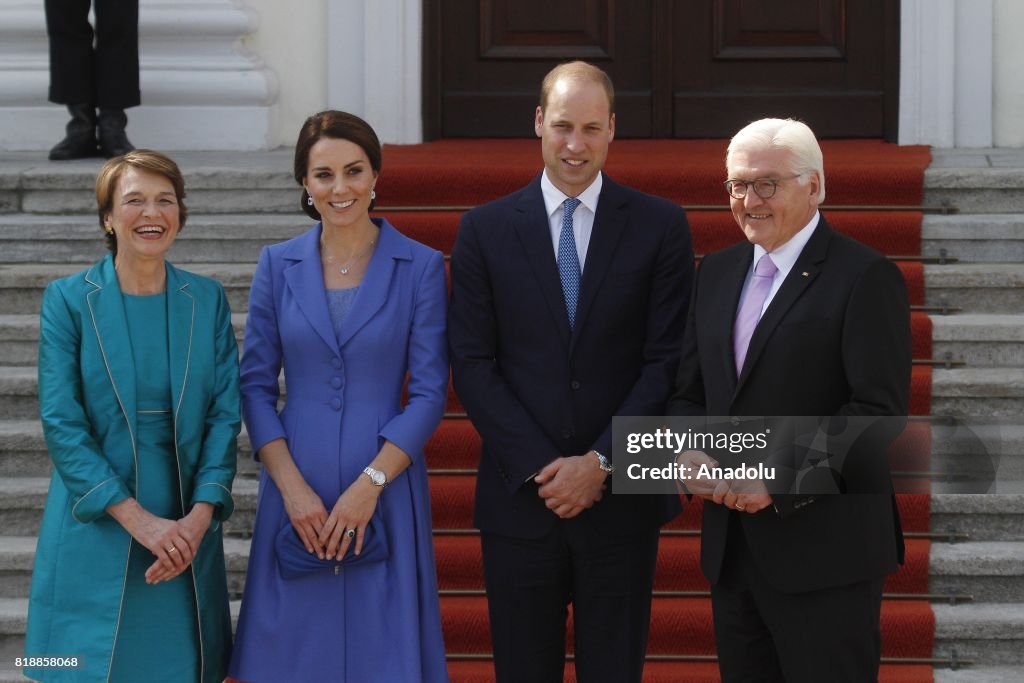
(469, 172)
(456, 174)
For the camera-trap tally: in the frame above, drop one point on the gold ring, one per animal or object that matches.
(740, 508)
(172, 549)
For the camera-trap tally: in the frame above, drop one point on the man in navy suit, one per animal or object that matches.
(797, 320)
(568, 304)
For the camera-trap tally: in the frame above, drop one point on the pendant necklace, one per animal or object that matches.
(347, 266)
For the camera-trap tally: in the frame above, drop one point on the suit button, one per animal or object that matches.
(336, 382)
(336, 403)
(336, 363)
(566, 433)
(574, 384)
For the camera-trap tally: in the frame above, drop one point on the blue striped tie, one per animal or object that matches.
(569, 260)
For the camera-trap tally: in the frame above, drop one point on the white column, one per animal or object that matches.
(973, 78)
(946, 73)
(374, 65)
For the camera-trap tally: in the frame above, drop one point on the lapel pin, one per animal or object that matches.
(805, 274)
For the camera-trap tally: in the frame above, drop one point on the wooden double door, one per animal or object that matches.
(681, 68)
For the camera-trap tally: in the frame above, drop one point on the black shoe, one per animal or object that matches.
(80, 142)
(113, 140)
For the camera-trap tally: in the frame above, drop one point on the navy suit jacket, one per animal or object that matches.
(536, 390)
(835, 340)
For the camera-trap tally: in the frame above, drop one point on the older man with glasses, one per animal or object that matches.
(797, 320)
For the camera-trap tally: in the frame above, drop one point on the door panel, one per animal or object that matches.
(682, 68)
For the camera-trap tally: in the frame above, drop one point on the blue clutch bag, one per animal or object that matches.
(294, 562)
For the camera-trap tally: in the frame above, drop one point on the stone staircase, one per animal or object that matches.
(241, 201)
(986, 285)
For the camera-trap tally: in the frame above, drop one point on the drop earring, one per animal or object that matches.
(373, 195)
(309, 200)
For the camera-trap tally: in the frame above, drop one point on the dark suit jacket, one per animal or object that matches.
(536, 391)
(835, 340)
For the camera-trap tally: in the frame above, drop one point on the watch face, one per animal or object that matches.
(376, 476)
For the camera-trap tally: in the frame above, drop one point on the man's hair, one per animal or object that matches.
(581, 71)
(790, 135)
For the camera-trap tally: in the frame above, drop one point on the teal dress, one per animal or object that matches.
(156, 638)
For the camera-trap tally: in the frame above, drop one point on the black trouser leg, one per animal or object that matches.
(71, 53)
(117, 54)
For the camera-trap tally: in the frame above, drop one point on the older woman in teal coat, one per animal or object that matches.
(138, 393)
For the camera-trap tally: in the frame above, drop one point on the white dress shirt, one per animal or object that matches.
(583, 217)
(784, 258)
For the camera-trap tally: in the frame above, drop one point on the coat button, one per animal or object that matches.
(574, 384)
(566, 433)
(336, 382)
(336, 363)
(336, 403)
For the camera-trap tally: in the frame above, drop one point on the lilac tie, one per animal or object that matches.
(750, 309)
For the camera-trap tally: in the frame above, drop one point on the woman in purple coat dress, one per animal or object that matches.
(348, 309)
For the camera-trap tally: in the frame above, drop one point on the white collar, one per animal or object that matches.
(554, 198)
(785, 256)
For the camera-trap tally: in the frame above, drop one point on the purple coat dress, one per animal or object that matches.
(378, 622)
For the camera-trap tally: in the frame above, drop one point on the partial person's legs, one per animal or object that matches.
(71, 55)
(832, 634)
(746, 651)
(528, 585)
(71, 75)
(117, 71)
(612, 582)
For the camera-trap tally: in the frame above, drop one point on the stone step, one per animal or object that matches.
(980, 339)
(986, 452)
(980, 456)
(996, 189)
(22, 284)
(23, 451)
(215, 182)
(17, 554)
(993, 517)
(975, 287)
(988, 633)
(229, 238)
(13, 620)
(976, 674)
(22, 500)
(989, 571)
(19, 337)
(998, 517)
(978, 391)
(13, 613)
(19, 392)
(974, 238)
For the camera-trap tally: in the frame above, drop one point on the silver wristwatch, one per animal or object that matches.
(376, 476)
(604, 463)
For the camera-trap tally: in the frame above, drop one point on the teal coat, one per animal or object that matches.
(87, 405)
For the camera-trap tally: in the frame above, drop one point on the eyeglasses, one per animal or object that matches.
(764, 187)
